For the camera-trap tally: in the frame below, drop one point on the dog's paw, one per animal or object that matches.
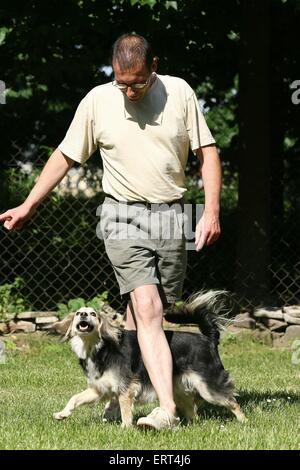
(242, 418)
(61, 415)
(126, 425)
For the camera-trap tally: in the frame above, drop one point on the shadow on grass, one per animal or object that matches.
(248, 401)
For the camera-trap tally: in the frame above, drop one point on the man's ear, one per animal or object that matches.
(154, 64)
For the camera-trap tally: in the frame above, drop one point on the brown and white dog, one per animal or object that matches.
(111, 360)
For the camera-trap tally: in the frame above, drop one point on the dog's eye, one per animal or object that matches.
(93, 314)
(77, 313)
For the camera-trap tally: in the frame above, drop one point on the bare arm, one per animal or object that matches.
(53, 172)
(208, 228)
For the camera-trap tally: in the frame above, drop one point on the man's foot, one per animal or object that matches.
(159, 418)
(112, 411)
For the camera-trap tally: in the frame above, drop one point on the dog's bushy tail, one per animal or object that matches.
(208, 310)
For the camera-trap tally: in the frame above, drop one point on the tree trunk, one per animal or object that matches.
(253, 256)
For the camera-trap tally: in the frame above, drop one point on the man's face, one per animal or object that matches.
(139, 73)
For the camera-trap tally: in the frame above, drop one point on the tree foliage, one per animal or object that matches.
(55, 52)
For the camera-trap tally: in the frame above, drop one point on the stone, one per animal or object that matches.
(292, 332)
(290, 319)
(268, 312)
(4, 329)
(292, 310)
(279, 342)
(9, 316)
(264, 337)
(46, 320)
(25, 326)
(276, 336)
(243, 320)
(273, 324)
(60, 327)
(33, 315)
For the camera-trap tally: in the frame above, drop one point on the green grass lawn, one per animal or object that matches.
(40, 376)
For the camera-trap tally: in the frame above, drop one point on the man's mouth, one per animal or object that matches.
(84, 327)
(133, 97)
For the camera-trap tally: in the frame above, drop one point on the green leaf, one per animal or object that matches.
(169, 4)
(98, 301)
(3, 33)
(62, 310)
(150, 3)
(233, 35)
(76, 304)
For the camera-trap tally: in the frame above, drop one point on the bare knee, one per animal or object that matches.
(148, 311)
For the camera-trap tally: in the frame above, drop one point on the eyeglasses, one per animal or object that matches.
(133, 86)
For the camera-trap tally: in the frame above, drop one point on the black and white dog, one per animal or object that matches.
(111, 360)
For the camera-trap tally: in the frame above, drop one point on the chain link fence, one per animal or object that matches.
(57, 255)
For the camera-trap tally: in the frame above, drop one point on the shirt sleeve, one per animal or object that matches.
(198, 131)
(80, 141)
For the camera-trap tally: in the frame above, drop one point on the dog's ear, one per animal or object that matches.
(69, 330)
(64, 326)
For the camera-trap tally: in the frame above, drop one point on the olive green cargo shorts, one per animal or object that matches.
(146, 245)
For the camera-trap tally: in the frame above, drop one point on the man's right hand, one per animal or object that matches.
(57, 165)
(15, 218)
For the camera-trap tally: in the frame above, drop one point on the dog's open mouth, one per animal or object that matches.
(84, 327)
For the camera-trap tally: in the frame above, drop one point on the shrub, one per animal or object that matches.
(10, 298)
(75, 304)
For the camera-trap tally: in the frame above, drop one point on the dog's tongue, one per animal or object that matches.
(83, 327)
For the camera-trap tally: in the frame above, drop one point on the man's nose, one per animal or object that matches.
(130, 91)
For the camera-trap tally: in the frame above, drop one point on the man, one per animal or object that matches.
(144, 124)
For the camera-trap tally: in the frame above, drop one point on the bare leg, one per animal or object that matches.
(156, 354)
(89, 395)
(130, 319)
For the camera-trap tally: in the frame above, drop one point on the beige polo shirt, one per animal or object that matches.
(144, 145)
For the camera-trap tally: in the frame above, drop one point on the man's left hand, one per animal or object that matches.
(207, 230)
